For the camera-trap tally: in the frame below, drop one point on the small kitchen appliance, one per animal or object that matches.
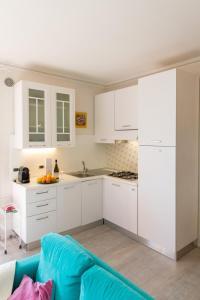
(23, 175)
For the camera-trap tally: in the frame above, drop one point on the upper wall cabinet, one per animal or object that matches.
(116, 115)
(63, 116)
(157, 108)
(44, 115)
(104, 118)
(126, 110)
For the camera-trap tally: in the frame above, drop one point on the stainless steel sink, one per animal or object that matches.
(81, 175)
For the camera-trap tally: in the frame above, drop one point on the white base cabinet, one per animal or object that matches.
(36, 212)
(120, 204)
(91, 201)
(69, 207)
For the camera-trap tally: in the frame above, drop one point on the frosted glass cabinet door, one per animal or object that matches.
(36, 114)
(63, 116)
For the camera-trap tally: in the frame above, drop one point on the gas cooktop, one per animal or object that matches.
(125, 175)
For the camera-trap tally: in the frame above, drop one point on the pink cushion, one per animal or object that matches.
(32, 290)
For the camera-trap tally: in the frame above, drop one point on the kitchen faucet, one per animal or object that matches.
(85, 170)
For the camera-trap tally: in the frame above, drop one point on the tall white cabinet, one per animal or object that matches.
(44, 115)
(168, 161)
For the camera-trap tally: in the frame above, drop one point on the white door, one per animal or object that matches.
(68, 207)
(63, 111)
(157, 109)
(91, 201)
(36, 114)
(126, 108)
(156, 197)
(104, 118)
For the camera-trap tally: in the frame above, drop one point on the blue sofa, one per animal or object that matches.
(77, 273)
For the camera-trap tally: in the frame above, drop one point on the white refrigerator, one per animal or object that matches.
(168, 161)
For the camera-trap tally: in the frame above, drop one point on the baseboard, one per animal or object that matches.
(186, 250)
(36, 244)
(122, 230)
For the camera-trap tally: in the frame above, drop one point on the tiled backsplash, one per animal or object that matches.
(122, 156)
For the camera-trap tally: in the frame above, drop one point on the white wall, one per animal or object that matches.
(69, 159)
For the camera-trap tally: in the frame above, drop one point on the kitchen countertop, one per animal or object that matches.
(67, 179)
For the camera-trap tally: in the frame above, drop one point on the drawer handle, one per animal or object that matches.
(157, 141)
(114, 184)
(42, 205)
(40, 193)
(39, 219)
(69, 187)
(92, 183)
(125, 126)
(133, 190)
(103, 140)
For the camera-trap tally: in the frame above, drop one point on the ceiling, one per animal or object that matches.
(102, 41)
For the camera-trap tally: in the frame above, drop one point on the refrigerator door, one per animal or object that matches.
(156, 197)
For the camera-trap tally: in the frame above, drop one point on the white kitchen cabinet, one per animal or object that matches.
(116, 115)
(157, 109)
(44, 115)
(69, 207)
(168, 161)
(126, 108)
(39, 225)
(36, 212)
(63, 116)
(32, 115)
(104, 118)
(120, 204)
(157, 197)
(91, 201)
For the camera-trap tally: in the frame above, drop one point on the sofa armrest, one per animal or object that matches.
(27, 266)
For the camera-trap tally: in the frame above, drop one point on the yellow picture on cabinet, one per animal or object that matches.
(81, 119)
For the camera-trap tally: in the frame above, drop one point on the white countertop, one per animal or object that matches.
(67, 179)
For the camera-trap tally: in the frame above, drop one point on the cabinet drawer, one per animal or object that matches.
(40, 207)
(40, 225)
(42, 194)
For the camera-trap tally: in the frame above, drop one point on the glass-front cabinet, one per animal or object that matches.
(63, 121)
(44, 115)
(36, 113)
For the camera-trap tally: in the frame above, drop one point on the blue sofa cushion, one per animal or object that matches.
(26, 266)
(115, 273)
(64, 262)
(99, 284)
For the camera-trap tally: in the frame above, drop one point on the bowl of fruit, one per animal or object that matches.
(47, 179)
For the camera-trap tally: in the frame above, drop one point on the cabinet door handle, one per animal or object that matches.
(117, 185)
(40, 193)
(103, 140)
(133, 190)
(69, 187)
(44, 218)
(126, 126)
(42, 205)
(157, 141)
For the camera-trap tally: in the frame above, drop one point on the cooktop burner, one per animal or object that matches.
(125, 175)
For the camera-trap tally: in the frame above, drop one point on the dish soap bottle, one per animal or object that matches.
(56, 170)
